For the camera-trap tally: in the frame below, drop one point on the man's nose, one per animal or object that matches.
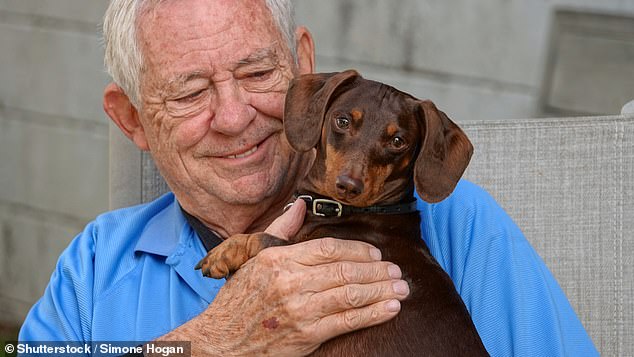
(232, 111)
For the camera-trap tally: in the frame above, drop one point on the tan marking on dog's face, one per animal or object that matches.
(403, 164)
(375, 183)
(392, 129)
(356, 114)
(335, 161)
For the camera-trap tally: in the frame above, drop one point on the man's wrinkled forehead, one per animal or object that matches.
(149, 6)
(254, 40)
(181, 20)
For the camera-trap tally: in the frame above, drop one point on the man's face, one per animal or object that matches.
(212, 92)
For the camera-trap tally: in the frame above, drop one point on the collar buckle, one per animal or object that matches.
(327, 208)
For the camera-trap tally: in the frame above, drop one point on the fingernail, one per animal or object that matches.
(393, 306)
(298, 203)
(375, 254)
(394, 271)
(400, 287)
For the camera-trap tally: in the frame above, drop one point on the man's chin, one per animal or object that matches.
(251, 192)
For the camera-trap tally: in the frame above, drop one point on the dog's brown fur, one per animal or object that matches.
(353, 123)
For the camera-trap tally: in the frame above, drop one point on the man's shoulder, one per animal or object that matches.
(130, 221)
(468, 191)
(468, 200)
(469, 218)
(114, 237)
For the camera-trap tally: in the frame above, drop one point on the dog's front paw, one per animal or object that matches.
(223, 260)
(229, 256)
(214, 265)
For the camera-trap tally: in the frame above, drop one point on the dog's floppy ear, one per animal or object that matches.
(444, 155)
(307, 100)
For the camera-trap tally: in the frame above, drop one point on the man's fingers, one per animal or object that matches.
(355, 296)
(355, 319)
(289, 223)
(328, 276)
(328, 250)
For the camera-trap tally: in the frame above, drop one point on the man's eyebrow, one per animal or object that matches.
(183, 78)
(267, 53)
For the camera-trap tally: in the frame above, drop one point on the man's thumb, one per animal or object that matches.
(289, 223)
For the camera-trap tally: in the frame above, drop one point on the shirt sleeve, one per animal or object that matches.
(515, 303)
(64, 312)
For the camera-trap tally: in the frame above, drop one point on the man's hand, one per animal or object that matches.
(288, 300)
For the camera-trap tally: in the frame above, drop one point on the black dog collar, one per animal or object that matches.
(325, 207)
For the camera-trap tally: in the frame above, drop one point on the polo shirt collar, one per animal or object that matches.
(168, 234)
(163, 232)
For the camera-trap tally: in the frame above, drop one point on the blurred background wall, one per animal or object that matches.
(485, 59)
(53, 139)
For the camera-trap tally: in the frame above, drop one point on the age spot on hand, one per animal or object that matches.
(271, 323)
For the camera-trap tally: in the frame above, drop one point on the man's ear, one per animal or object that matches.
(305, 50)
(119, 108)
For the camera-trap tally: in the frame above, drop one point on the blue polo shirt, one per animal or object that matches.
(129, 277)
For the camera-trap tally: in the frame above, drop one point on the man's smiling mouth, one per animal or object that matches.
(244, 154)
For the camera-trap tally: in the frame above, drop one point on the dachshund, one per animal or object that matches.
(374, 146)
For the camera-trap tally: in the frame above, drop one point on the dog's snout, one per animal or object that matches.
(348, 186)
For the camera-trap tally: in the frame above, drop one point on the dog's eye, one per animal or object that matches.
(397, 142)
(342, 122)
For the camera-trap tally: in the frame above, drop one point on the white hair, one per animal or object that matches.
(123, 57)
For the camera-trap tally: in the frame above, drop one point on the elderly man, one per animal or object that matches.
(200, 84)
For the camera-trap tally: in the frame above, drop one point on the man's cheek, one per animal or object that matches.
(270, 104)
(189, 132)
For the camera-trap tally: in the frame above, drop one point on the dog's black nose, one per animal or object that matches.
(348, 186)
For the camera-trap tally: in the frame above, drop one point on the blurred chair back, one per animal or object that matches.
(569, 184)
